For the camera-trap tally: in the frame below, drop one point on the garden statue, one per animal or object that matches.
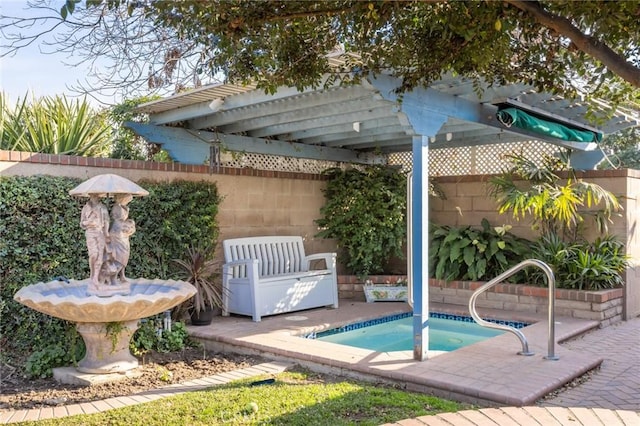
(119, 232)
(108, 241)
(95, 221)
(107, 300)
(111, 279)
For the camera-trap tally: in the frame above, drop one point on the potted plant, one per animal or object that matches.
(201, 269)
(386, 292)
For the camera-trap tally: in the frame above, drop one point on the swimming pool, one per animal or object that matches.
(447, 332)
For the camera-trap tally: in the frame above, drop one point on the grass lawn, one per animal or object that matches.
(294, 398)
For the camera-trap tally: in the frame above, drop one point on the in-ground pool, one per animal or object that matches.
(447, 332)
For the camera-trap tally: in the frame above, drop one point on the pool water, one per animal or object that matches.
(446, 333)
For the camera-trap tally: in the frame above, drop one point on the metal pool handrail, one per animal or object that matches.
(551, 281)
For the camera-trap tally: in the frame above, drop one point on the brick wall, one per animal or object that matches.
(604, 306)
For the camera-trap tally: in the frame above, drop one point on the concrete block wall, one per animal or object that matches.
(258, 202)
(255, 202)
(468, 202)
(631, 203)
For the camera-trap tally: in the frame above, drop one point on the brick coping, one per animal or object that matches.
(599, 296)
(114, 163)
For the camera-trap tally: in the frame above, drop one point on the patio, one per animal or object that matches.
(488, 373)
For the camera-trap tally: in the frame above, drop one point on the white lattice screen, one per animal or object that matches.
(275, 163)
(483, 159)
(476, 160)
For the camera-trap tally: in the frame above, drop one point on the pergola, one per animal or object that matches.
(364, 122)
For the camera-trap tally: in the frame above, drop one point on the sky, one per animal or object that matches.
(33, 72)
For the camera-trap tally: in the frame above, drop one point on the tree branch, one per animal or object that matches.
(589, 45)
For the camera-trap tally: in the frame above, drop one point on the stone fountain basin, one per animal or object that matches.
(70, 301)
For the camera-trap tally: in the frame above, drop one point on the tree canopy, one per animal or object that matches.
(590, 48)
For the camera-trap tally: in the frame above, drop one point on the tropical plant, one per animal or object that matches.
(581, 265)
(466, 253)
(365, 212)
(202, 270)
(555, 208)
(529, 190)
(11, 129)
(54, 125)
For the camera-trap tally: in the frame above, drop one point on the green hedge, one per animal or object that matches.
(365, 211)
(41, 238)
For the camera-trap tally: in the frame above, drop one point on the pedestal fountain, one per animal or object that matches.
(107, 306)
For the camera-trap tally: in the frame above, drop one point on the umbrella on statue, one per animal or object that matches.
(106, 185)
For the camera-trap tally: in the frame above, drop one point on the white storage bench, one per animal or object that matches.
(271, 275)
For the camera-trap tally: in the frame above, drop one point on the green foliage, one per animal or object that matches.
(581, 265)
(365, 212)
(466, 253)
(168, 221)
(527, 190)
(40, 364)
(628, 159)
(126, 144)
(174, 340)
(54, 125)
(589, 46)
(152, 336)
(40, 239)
(622, 150)
(622, 140)
(113, 332)
(202, 269)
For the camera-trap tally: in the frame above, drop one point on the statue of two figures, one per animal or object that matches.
(108, 244)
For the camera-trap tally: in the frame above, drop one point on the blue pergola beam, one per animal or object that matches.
(192, 147)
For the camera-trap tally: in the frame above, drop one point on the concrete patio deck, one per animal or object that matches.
(488, 373)
(611, 397)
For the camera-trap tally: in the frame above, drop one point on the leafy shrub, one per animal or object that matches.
(581, 265)
(42, 362)
(365, 212)
(40, 238)
(152, 336)
(466, 253)
(168, 221)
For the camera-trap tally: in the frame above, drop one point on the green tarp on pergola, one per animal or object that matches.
(523, 120)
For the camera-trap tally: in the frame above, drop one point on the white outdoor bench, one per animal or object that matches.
(270, 275)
